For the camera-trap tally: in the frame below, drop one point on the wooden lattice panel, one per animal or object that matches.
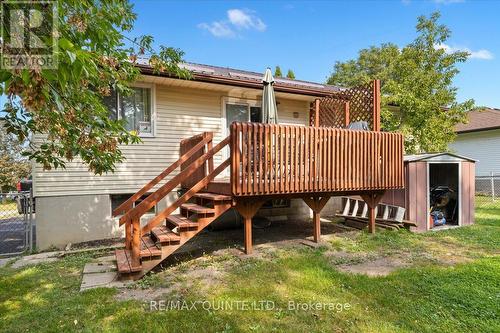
(361, 107)
(361, 103)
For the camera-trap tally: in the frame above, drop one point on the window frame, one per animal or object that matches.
(238, 101)
(152, 97)
(225, 129)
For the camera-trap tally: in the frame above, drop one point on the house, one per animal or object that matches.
(205, 152)
(73, 205)
(479, 139)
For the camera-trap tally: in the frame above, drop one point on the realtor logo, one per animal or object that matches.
(28, 34)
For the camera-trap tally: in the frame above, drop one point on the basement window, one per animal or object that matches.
(118, 199)
(136, 109)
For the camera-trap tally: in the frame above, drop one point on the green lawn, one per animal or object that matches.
(453, 285)
(8, 207)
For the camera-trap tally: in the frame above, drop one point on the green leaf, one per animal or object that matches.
(65, 44)
(4, 76)
(25, 76)
(49, 75)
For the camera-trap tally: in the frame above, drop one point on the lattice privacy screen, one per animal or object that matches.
(332, 109)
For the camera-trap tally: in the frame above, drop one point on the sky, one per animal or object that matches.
(310, 36)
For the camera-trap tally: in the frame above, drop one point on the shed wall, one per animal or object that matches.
(468, 190)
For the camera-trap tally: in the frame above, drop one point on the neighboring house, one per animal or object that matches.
(479, 139)
(74, 205)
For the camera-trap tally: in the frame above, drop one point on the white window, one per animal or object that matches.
(136, 109)
(241, 110)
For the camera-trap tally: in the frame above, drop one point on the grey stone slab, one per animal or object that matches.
(43, 255)
(5, 261)
(32, 261)
(106, 258)
(95, 280)
(99, 267)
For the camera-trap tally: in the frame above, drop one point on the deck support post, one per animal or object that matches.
(372, 199)
(316, 204)
(247, 210)
(136, 242)
(128, 235)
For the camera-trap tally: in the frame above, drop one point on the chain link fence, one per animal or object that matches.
(16, 223)
(488, 189)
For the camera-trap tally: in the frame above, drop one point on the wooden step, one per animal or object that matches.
(221, 187)
(124, 262)
(149, 249)
(182, 222)
(165, 236)
(213, 196)
(197, 208)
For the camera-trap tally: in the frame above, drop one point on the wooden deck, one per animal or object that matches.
(266, 161)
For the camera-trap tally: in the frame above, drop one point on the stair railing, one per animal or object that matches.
(132, 217)
(205, 139)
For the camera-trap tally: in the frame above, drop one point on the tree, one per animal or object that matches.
(418, 80)
(290, 74)
(277, 72)
(13, 165)
(95, 55)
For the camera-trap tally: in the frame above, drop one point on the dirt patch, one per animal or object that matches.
(201, 274)
(378, 267)
(102, 243)
(204, 263)
(144, 295)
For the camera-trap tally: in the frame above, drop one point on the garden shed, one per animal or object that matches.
(439, 189)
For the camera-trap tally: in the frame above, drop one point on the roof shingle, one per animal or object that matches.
(480, 120)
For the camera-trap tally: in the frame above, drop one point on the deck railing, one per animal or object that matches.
(280, 159)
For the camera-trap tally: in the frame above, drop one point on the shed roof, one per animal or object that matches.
(480, 120)
(429, 156)
(238, 77)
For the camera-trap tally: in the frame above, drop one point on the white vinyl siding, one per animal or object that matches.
(484, 147)
(180, 113)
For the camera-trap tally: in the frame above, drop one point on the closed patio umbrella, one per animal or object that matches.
(269, 109)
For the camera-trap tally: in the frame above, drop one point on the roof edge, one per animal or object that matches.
(432, 155)
(482, 129)
(147, 70)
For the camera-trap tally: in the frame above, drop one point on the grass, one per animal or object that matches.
(7, 207)
(428, 296)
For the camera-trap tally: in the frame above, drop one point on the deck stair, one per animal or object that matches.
(148, 245)
(164, 239)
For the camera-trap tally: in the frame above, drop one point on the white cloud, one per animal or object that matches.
(218, 29)
(236, 19)
(481, 54)
(245, 19)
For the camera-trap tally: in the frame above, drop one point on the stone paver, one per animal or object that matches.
(102, 273)
(106, 258)
(95, 280)
(5, 261)
(99, 267)
(25, 261)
